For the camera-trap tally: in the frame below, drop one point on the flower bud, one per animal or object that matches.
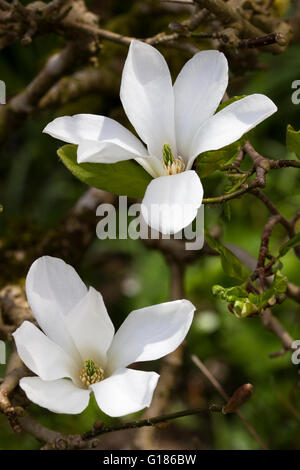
(243, 308)
(240, 396)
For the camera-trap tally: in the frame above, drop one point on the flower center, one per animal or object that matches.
(172, 165)
(91, 373)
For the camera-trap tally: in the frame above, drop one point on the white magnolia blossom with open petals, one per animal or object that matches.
(181, 116)
(78, 352)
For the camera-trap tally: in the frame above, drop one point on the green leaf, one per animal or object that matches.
(231, 265)
(237, 296)
(244, 304)
(230, 294)
(208, 162)
(235, 181)
(293, 140)
(226, 211)
(122, 178)
(277, 287)
(288, 245)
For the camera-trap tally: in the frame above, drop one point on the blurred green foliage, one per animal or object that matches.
(37, 191)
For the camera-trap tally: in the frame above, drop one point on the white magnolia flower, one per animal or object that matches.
(77, 352)
(177, 123)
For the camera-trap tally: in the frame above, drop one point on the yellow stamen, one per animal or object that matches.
(175, 167)
(91, 373)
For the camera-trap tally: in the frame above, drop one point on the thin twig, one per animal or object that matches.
(148, 421)
(273, 324)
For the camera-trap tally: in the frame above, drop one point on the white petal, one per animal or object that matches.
(125, 392)
(232, 122)
(59, 396)
(150, 333)
(106, 152)
(91, 328)
(147, 97)
(100, 139)
(171, 202)
(198, 90)
(73, 129)
(41, 355)
(53, 288)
